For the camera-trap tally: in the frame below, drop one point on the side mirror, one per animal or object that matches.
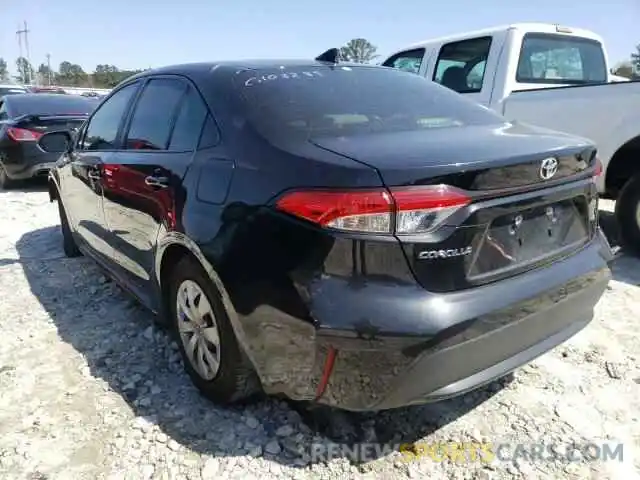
(56, 142)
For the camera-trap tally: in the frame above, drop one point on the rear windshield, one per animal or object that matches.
(51, 104)
(561, 59)
(11, 91)
(345, 101)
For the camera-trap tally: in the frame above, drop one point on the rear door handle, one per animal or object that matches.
(157, 182)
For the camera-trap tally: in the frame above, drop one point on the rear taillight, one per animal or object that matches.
(23, 135)
(403, 211)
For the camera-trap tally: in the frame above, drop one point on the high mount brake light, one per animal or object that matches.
(23, 135)
(402, 210)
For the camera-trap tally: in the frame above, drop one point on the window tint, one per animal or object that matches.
(210, 135)
(548, 58)
(461, 65)
(290, 104)
(102, 131)
(409, 61)
(154, 113)
(189, 123)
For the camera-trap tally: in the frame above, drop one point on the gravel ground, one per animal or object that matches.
(90, 388)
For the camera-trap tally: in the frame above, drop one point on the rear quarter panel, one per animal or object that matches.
(607, 114)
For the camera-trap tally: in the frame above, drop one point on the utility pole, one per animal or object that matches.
(49, 67)
(20, 33)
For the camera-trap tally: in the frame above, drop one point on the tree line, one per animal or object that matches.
(358, 50)
(631, 68)
(68, 74)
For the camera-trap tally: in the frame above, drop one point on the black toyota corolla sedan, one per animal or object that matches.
(350, 235)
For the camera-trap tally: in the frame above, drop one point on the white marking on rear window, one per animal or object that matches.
(271, 77)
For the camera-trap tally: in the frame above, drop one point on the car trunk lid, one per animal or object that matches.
(47, 123)
(522, 210)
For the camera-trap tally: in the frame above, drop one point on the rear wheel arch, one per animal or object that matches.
(171, 256)
(173, 248)
(624, 164)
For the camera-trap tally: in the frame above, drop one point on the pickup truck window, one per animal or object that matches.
(559, 59)
(461, 65)
(409, 61)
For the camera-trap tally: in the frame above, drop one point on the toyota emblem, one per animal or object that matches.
(548, 168)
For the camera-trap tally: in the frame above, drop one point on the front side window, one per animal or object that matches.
(409, 61)
(461, 65)
(560, 59)
(102, 131)
(154, 114)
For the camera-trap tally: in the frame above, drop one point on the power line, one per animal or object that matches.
(20, 33)
(49, 67)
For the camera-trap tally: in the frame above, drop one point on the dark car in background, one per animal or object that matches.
(11, 90)
(24, 119)
(58, 90)
(351, 235)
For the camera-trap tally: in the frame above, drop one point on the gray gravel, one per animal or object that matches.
(90, 388)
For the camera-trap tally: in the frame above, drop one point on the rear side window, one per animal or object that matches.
(461, 65)
(345, 101)
(560, 59)
(188, 126)
(101, 132)
(409, 61)
(210, 134)
(154, 114)
(4, 115)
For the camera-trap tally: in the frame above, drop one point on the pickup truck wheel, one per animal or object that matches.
(5, 182)
(207, 342)
(69, 245)
(628, 214)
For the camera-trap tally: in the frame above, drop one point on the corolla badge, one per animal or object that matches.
(548, 168)
(451, 252)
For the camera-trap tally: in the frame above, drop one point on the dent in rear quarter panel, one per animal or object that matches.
(266, 260)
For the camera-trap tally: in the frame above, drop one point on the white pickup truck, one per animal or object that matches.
(554, 77)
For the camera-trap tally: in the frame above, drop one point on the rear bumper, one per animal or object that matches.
(401, 345)
(26, 172)
(23, 162)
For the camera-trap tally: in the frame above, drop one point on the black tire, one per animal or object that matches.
(5, 182)
(235, 380)
(69, 245)
(627, 213)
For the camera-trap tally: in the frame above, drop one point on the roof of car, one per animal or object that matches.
(205, 68)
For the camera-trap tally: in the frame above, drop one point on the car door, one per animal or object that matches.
(145, 179)
(82, 171)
